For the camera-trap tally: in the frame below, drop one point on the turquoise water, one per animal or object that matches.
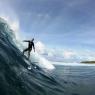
(77, 80)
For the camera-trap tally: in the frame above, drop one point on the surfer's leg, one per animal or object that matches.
(25, 50)
(28, 54)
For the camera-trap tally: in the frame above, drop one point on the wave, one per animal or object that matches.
(35, 57)
(16, 78)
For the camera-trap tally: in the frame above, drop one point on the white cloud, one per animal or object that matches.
(68, 54)
(54, 54)
(64, 55)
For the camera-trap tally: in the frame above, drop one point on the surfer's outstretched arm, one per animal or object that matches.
(26, 41)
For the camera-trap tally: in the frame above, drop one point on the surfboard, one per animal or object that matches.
(31, 63)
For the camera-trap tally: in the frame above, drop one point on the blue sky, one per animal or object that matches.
(57, 23)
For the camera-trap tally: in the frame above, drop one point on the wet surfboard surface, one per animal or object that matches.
(31, 64)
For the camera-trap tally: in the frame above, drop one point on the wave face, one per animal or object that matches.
(15, 78)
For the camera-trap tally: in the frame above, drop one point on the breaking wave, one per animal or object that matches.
(18, 76)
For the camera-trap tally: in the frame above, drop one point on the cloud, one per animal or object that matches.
(64, 55)
(75, 3)
(54, 54)
(68, 54)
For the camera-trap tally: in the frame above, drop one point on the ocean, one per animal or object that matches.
(19, 76)
(77, 80)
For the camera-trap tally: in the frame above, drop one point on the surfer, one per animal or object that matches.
(30, 46)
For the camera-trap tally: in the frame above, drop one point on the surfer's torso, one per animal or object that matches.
(30, 45)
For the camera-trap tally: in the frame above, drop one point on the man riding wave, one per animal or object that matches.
(30, 46)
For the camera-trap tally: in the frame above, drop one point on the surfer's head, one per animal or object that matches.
(32, 39)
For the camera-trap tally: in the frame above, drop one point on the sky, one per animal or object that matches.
(68, 26)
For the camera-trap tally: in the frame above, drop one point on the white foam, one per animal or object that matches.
(35, 57)
(72, 64)
(41, 61)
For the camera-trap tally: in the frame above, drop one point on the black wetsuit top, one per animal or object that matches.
(30, 45)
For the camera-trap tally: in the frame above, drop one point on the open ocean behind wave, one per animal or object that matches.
(77, 80)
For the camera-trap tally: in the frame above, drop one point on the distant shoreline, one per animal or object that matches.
(88, 62)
